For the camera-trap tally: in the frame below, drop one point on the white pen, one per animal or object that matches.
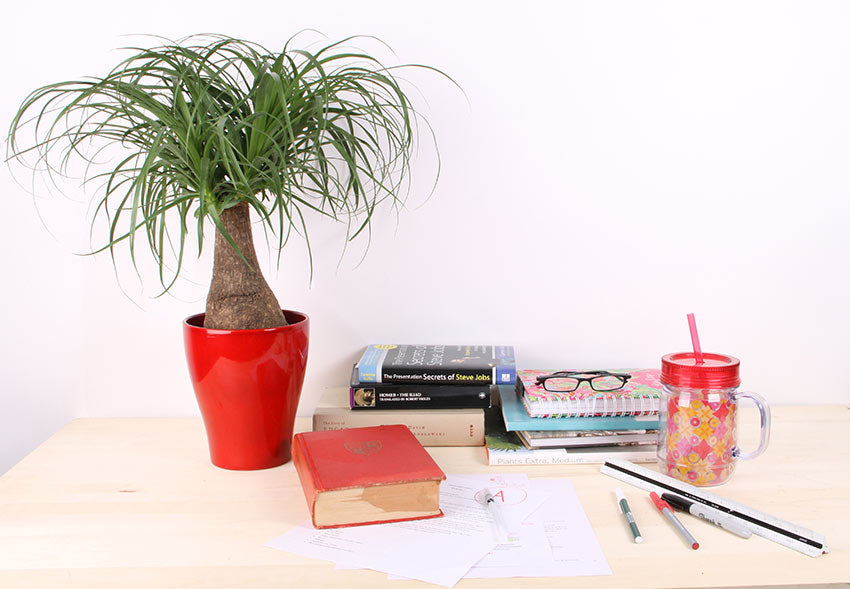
(496, 511)
(627, 513)
(709, 514)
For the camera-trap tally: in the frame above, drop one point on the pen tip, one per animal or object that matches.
(638, 539)
(695, 545)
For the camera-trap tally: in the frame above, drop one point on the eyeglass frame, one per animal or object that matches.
(624, 377)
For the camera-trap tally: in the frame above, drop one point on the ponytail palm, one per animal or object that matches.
(210, 128)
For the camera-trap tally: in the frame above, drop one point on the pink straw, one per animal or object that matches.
(692, 324)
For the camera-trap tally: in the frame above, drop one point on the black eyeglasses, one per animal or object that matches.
(565, 381)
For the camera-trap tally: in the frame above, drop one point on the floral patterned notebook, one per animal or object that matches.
(641, 395)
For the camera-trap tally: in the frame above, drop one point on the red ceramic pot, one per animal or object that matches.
(248, 383)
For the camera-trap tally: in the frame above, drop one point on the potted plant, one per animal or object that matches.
(199, 133)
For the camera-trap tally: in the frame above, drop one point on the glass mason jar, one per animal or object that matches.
(697, 430)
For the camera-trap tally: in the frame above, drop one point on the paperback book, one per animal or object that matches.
(504, 448)
(641, 395)
(549, 439)
(391, 396)
(437, 364)
(517, 418)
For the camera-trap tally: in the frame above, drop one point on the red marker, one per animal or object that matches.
(664, 508)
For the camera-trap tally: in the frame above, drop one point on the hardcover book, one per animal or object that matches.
(432, 427)
(641, 395)
(416, 396)
(366, 475)
(437, 364)
(517, 418)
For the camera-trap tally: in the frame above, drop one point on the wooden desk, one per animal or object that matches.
(123, 503)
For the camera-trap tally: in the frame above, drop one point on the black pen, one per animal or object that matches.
(709, 514)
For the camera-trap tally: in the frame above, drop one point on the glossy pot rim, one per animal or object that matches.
(296, 320)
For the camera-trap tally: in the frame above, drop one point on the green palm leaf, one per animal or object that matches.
(209, 122)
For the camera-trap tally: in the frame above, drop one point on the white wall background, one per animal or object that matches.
(617, 165)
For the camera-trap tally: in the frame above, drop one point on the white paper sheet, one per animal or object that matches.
(555, 541)
(518, 503)
(333, 544)
(511, 491)
(550, 536)
(410, 549)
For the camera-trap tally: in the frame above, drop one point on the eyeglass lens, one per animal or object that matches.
(600, 383)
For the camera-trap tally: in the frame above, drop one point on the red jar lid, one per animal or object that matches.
(717, 371)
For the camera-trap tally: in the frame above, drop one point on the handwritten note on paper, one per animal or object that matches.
(334, 544)
(555, 541)
(518, 501)
(550, 536)
(409, 549)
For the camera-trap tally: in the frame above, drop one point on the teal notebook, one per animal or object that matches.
(517, 418)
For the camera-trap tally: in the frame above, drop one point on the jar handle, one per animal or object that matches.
(764, 414)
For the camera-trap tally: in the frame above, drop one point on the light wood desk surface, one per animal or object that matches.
(123, 503)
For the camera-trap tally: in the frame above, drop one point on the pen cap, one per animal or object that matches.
(620, 495)
(659, 502)
(676, 501)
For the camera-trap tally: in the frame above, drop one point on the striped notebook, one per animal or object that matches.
(640, 396)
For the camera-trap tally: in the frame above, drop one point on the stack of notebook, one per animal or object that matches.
(538, 426)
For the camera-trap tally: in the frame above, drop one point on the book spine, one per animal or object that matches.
(552, 457)
(441, 428)
(436, 365)
(388, 397)
(306, 473)
(505, 374)
(369, 367)
(452, 376)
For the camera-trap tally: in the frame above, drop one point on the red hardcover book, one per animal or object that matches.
(366, 475)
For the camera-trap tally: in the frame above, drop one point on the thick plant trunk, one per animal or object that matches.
(239, 297)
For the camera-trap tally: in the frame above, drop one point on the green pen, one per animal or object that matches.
(627, 513)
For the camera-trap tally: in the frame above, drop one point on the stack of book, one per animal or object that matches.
(440, 392)
(537, 426)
